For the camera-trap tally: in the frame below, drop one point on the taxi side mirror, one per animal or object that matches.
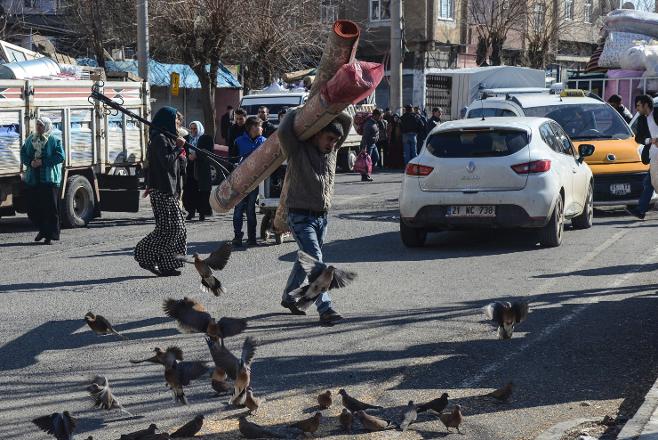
(585, 150)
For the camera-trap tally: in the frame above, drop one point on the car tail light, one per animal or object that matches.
(537, 166)
(414, 169)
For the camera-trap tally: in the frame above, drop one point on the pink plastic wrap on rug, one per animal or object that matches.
(353, 82)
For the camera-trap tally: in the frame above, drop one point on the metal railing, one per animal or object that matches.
(627, 88)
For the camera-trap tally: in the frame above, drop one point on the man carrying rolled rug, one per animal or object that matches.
(311, 171)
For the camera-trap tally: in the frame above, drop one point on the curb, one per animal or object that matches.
(557, 431)
(644, 424)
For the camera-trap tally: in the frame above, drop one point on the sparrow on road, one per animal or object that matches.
(100, 325)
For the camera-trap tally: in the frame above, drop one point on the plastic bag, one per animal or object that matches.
(363, 164)
(353, 82)
(616, 44)
(634, 58)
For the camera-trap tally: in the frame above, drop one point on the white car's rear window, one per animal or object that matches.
(477, 143)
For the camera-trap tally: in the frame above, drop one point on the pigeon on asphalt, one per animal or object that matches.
(141, 434)
(435, 405)
(100, 325)
(310, 425)
(320, 279)
(452, 419)
(193, 317)
(216, 261)
(159, 356)
(181, 373)
(252, 430)
(324, 400)
(190, 428)
(346, 419)
(409, 416)
(59, 425)
(353, 404)
(372, 423)
(502, 394)
(252, 402)
(102, 395)
(506, 315)
(239, 370)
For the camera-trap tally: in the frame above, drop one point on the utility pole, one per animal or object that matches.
(395, 98)
(143, 39)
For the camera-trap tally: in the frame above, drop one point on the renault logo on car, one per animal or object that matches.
(471, 167)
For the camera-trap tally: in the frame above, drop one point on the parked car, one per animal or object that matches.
(616, 164)
(513, 172)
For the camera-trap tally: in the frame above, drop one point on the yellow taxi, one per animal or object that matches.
(616, 164)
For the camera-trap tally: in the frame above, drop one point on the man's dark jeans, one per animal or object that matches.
(645, 197)
(248, 204)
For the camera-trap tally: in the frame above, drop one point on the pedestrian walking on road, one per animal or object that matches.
(158, 250)
(411, 126)
(369, 141)
(311, 173)
(247, 144)
(196, 191)
(646, 135)
(42, 156)
(382, 144)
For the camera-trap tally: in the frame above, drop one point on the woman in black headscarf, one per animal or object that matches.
(165, 158)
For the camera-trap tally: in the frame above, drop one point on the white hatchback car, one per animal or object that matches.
(512, 172)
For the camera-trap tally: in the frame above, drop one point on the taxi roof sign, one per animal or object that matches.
(573, 93)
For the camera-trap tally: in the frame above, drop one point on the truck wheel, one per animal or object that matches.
(585, 219)
(78, 204)
(551, 234)
(412, 237)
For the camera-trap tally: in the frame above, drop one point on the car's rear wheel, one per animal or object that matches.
(585, 219)
(412, 237)
(551, 234)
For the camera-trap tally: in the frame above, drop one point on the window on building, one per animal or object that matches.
(588, 11)
(568, 9)
(380, 10)
(539, 17)
(328, 11)
(447, 9)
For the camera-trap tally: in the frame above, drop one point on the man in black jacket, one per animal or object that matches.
(235, 131)
(264, 115)
(646, 135)
(412, 127)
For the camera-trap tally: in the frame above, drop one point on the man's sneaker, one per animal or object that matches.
(237, 242)
(290, 305)
(635, 213)
(330, 317)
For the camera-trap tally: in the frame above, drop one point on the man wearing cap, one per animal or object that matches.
(310, 174)
(411, 126)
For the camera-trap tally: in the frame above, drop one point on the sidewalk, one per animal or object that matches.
(644, 424)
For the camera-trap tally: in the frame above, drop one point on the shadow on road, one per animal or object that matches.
(63, 335)
(72, 283)
(608, 270)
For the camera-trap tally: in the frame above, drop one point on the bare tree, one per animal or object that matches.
(100, 25)
(286, 35)
(200, 33)
(493, 20)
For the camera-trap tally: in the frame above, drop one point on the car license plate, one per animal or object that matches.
(620, 189)
(471, 211)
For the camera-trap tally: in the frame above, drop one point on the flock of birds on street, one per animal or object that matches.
(231, 374)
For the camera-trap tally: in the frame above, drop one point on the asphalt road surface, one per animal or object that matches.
(413, 326)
